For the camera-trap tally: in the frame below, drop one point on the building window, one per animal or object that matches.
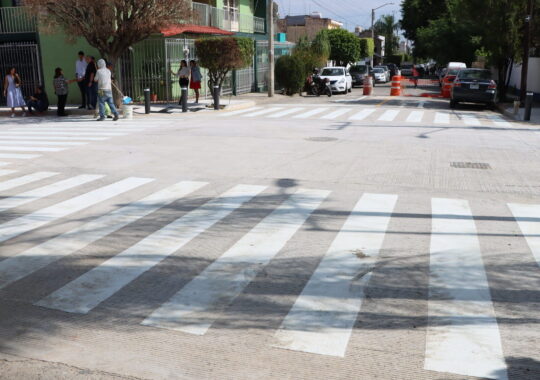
(231, 9)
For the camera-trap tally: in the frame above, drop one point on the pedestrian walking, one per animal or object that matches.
(80, 73)
(12, 91)
(39, 101)
(196, 78)
(416, 75)
(60, 84)
(90, 83)
(183, 75)
(103, 80)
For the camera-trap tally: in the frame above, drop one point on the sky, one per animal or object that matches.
(349, 12)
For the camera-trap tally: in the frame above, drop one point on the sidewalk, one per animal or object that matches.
(227, 103)
(508, 110)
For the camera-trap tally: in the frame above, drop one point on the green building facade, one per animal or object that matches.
(147, 64)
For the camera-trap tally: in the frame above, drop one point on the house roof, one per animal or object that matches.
(174, 30)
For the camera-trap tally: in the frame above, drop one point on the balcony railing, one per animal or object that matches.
(232, 21)
(16, 20)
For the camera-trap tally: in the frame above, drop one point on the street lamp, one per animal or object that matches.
(373, 28)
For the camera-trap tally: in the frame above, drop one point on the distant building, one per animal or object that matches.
(379, 43)
(305, 25)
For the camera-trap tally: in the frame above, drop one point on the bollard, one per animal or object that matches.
(528, 106)
(147, 101)
(184, 99)
(216, 97)
(517, 103)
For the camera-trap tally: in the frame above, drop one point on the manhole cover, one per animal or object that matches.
(321, 139)
(470, 165)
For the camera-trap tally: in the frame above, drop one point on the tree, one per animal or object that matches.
(312, 53)
(367, 47)
(290, 73)
(220, 55)
(111, 26)
(416, 14)
(388, 27)
(345, 47)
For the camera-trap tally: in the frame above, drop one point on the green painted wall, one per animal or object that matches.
(56, 52)
(6, 3)
(246, 7)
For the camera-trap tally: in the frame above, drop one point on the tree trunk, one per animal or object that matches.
(502, 67)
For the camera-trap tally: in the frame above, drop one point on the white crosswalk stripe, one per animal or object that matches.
(389, 115)
(41, 143)
(329, 304)
(442, 118)
(26, 223)
(45, 191)
(310, 113)
(263, 112)
(336, 113)
(92, 288)
(4, 163)
(7, 172)
(35, 258)
(528, 219)
(18, 156)
(461, 316)
(60, 133)
(55, 138)
(286, 112)
(25, 180)
(239, 112)
(226, 277)
(469, 119)
(30, 149)
(415, 117)
(499, 121)
(362, 114)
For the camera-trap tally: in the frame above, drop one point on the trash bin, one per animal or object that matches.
(127, 111)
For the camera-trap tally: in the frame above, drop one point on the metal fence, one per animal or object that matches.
(16, 20)
(25, 58)
(153, 63)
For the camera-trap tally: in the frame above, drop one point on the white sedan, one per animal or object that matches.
(340, 78)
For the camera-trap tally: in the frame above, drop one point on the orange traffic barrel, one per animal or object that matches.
(395, 90)
(447, 89)
(368, 85)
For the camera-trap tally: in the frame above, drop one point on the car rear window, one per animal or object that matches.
(378, 70)
(406, 66)
(475, 74)
(358, 69)
(332, 72)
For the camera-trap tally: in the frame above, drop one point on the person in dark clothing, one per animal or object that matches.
(38, 101)
(60, 84)
(90, 84)
(80, 72)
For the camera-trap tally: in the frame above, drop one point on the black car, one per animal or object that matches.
(474, 86)
(393, 68)
(358, 73)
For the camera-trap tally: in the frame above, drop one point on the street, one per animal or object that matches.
(349, 237)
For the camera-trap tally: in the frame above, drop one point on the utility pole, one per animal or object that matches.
(373, 35)
(373, 29)
(270, 31)
(526, 46)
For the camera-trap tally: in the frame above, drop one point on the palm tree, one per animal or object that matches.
(388, 27)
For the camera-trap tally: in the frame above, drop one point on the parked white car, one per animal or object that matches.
(339, 77)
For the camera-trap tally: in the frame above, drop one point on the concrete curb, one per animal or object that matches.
(502, 109)
(239, 106)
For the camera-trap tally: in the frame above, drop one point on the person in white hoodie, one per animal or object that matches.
(104, 81)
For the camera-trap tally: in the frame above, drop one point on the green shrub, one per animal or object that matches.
(290, 74)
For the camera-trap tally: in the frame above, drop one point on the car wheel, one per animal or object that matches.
(350, 89)
(453, 104)
(491, 106)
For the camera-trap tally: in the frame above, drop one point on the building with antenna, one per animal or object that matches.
(296, 27)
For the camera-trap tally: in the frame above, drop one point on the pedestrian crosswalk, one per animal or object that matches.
(374, 114)
(30, 142)
(462, 337)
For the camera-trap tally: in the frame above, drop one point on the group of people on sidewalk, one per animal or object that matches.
(95, 83)
(189, 77)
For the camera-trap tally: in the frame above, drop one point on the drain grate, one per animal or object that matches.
(471, 165)
(321, 139)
